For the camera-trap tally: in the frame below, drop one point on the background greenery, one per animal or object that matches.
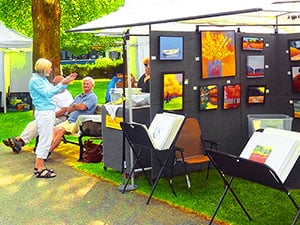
(16, 14)
(265, 205)
(102, 68)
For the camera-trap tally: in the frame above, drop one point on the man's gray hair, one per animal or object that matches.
(90, 79)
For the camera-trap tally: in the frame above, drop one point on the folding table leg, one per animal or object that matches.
(162, 168)
(222, 198)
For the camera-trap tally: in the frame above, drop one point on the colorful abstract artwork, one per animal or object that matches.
(170, 48)
(294, 50)
(296, 79)
(252, 43)
(255, 66)
(218, 54)
(256, 94)
(173, 91)
(231, 96)
(296, 105)
(209, 97)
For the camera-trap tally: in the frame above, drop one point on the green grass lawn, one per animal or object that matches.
(265, 205)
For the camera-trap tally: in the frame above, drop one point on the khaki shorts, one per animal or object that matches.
(69, 127)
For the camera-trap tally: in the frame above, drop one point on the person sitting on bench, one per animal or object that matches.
(83, 104)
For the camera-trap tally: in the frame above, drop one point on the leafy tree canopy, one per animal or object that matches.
(16, 14)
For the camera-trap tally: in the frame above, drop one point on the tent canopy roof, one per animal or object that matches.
(265, 13)
(12, 39)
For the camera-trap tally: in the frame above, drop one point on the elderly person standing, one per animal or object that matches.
(42, 92)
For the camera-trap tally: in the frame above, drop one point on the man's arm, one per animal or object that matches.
(61, 112)
(76, 106)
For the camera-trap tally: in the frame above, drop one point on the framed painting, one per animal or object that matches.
(209, 97)
(252, 43)
(256, 94)
(218, 54)
(255, 66)
(296, 105)
(231, 96)
(296, 79)
(173, 91)
(294, 50)
(170, 48)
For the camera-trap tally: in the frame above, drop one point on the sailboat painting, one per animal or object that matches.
(170, 48)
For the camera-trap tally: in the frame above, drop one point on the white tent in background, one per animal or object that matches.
(15, 63)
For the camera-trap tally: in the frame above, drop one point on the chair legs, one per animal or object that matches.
(208, 167)
(186, 174)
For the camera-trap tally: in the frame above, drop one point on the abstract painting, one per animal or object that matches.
(209, 97)
(294, 50)
(252, 43)
(255, 66)
(296, 108)
(218, 54)
(296, 79)
(256, 94)
(231, 96)
(173, 91)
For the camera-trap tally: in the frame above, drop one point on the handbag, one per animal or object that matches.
(93, 152)
(90, 127)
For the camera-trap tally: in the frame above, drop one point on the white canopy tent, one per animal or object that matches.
(262, 13)
(15, 62)
(139, 17)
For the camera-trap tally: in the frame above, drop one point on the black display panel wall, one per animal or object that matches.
(228, 127)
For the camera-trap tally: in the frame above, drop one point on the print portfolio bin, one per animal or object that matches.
(262, 121)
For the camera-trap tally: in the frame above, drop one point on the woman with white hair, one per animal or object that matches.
(42, 92)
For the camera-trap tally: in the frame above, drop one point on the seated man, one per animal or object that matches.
(62, 101)
(83, 104)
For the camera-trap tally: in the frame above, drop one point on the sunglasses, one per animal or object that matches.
(146, 65)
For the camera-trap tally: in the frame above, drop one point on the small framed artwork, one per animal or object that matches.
(218, 54)
(256, 94)
(255, 66)
(252, 43)
(294, 50)
(209, 97)
(170, 48)
(296, 105)
(296, 79)
(231, 96)
(173, 91)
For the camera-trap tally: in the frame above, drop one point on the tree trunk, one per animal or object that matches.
(46, 32)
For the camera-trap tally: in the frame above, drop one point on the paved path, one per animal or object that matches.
(73, 197)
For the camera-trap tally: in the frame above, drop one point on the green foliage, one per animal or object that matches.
(16, 14)
(103, 68)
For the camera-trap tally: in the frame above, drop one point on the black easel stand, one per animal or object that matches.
(139, 140)
(234, 166)
(132, 134)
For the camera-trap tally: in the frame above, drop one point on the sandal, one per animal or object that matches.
(16, 146)
(45, 173)
(8, 142)
(35, 170)
(13, 144)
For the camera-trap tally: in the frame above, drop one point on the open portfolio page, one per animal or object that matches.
(277, 150)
